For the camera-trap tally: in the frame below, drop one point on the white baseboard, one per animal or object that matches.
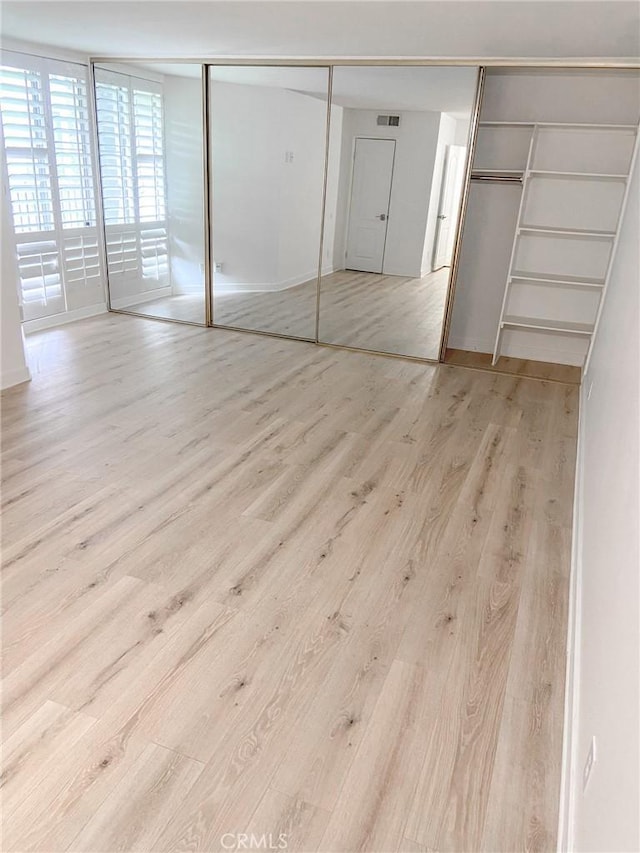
(294, 281)
(191, 291)
(267, 286)
(139, 298)
(403, 273)
(249, 287)
(9, 378)
(61, 319)
(570, 775)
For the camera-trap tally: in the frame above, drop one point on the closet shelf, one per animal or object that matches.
(538, 324)
(563, 160)
(596, 176)
(565, 281)
(566, 232)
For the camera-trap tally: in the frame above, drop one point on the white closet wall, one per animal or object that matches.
(536, 249)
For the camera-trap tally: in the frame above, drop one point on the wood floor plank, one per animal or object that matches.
(75, 783)
(449, 807)
(35, 679)
(522, 788)
(133, 813)
(371, 811)
(34, 749)
(327, 738)
(284, 820)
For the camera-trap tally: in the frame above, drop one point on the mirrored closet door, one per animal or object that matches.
(150, 136)
(268, 143)
(397, 160)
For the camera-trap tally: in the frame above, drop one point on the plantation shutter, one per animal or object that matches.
(116, 166)
(131, 141)
(27, 161)
(50, 179)
(81, 263)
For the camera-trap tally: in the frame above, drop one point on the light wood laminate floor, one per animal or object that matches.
(387, 313)
(256, 586)
(186, 307)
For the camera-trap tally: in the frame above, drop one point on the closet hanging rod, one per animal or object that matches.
(499, 179)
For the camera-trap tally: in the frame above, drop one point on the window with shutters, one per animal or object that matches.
(49, 177)
(132, 166)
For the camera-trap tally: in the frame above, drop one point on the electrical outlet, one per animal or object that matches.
(588, 765)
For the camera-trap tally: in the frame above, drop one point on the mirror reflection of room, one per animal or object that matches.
(397, 159)
(268, 143)
(150, 139)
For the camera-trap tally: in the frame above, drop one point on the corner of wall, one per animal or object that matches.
(17, 376)
(13, 363)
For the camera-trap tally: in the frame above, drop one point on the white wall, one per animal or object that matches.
(333, 187)
(416, 146)
(547, 95)
(184, 179)
(13, 364)
(487, 239)
(266, 211)
(606, 816)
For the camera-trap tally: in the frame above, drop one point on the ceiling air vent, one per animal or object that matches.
(389, 121)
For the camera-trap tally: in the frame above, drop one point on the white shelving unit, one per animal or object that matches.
(574, 188)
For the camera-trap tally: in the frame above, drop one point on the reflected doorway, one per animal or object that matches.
(369, 207)
(450, 192)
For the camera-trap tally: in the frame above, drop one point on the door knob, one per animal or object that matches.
(382, 217)
(441, 216)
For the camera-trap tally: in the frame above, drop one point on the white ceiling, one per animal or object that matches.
(472, 28)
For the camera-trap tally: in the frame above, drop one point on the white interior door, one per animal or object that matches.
(369, 210)
(452, 178)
